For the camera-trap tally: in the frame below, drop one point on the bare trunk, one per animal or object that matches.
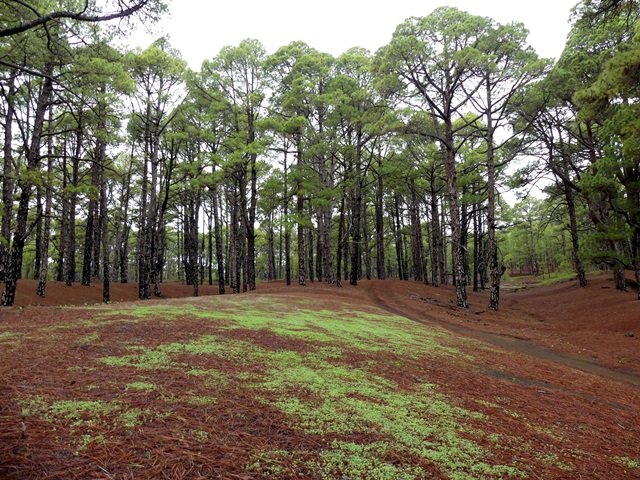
(417, 242)
(26, 186)
(457, 256)
(218, 235)
(302, 274)
(44, 249)
(402, 274)
(436, 235)
(380, 250)
(356, 210)
(90, 235)
(8, 181)
(104, 233)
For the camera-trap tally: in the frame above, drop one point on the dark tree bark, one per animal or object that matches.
(90, 237)
(218, 238)
(271, 249)
(251, 217)
(70, 239)
(341, 239)
(123, 229)
(325, 213)
(457, 255)
(201, 258)
(38, 234)
(287, 227)
(417, 241)
(479, 266)
(575, 243)
(234, 243)
(302, 274)
(464, 238)
(367, 248)
(44, 248)
(97, 236)
(569, 196)
(442, 254)
(242, 254)
(310, 247)
(210, 248)
(26, 186)
(8, 180)
(356, 211)
(104, 232)
(397, 231)
(618, 278)
(191, 267)
(380, 246)
(437, 247)
(64, 218)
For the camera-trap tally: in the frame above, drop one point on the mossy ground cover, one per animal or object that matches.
(266, 387)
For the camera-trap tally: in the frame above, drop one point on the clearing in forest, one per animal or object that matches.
(320, 383)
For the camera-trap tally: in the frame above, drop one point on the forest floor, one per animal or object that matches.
(552, 381)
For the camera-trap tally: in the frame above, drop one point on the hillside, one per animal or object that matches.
(387, 380)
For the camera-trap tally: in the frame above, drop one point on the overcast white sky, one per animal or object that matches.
(200, 28)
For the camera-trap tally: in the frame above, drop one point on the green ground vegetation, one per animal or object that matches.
(326, 371)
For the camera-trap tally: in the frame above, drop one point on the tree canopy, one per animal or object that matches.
(128, 166)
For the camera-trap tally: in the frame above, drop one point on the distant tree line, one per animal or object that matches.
(130, 167)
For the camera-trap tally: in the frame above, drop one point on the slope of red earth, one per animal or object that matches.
(562, 356)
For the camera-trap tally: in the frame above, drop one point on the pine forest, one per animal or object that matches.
(452, 155)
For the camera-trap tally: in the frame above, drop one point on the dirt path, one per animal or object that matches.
(409, 304)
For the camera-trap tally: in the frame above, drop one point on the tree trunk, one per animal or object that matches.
(417, 242)
(367, 248)
(44, 249)
(8, 181)
(311, 260)
(573, 225)
(399, 241)
(250, 226)
(234, 253)
(104, 231)
(38, 235)
(26, 185)
(218, 239)
(90, 236)
(380, 247)
(70, 240)
(210, 249)
(287, 227)
(457, 256)
(356, 211)
(464, 238)
(271, 249)
(618, 278)
(341, 241)
(436, 234)
(302, 274)
(64, 218)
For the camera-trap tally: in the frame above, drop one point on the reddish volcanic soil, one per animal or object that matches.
(596, 328)
(562, 355)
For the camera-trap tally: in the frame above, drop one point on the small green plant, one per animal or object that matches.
(147, 387)
(628, 462)
(80, 412)
(9, 338)
(201, 436)
(150, 359)
(89, 339)
(133, 417)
